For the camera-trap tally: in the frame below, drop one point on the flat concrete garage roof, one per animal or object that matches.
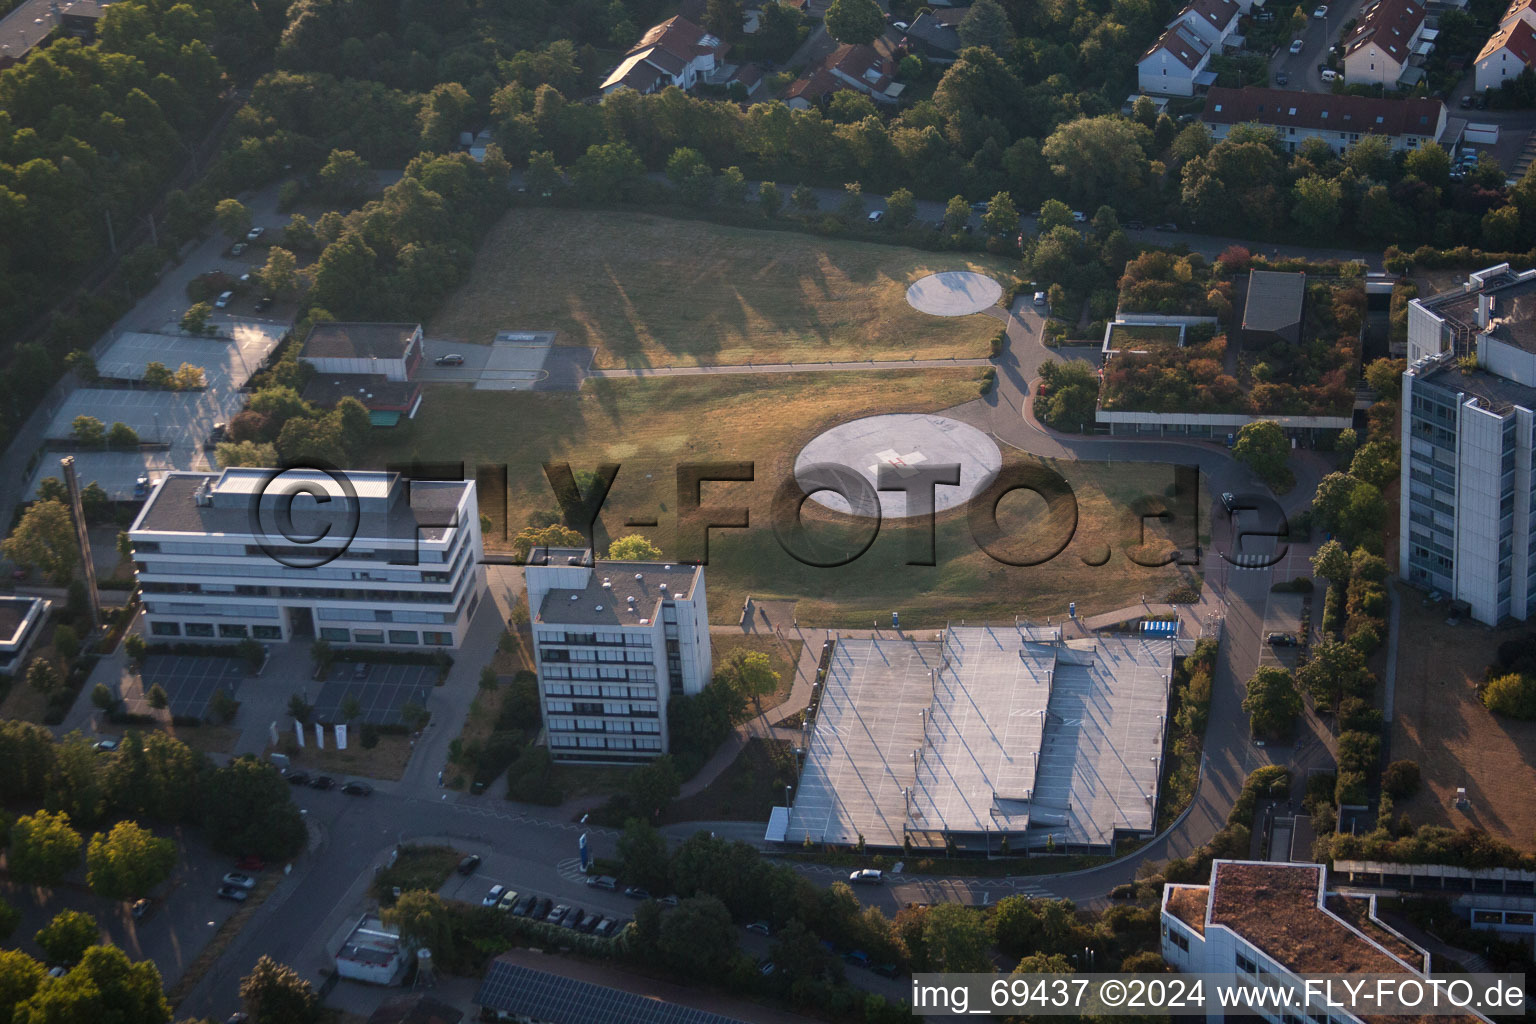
(117, 472)
(227, 362)
(182, 419)
(1013, 730)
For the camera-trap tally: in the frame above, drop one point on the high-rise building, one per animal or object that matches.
(1468, 509)
(613, 642)
(352, 557)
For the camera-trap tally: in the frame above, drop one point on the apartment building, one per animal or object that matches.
(613, 642)
(359, 557)
(1468, 515)
(1339, 120)
(1270, 923)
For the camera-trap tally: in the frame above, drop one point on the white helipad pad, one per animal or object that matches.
(953, 293)
(905, 442)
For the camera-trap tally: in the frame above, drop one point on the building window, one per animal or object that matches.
(1244, 964)
(335, 634)
(165, 628)
(367, 636)
(402, 636)
(232, 631)
(199, 629)
(432, 638)
(267, 632)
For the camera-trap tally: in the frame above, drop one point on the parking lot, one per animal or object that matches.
(381, 691)
(189, 682)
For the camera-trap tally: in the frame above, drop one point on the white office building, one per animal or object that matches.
(1468, 514)
(1271, 923)
(361, 557)
(613, 641)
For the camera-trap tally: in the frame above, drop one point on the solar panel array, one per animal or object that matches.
(549, 997)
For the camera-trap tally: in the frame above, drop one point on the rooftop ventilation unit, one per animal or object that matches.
(599, 608)
(606, 584)
(575, 597)
(663, 586)
(639, 576)
(630, 600)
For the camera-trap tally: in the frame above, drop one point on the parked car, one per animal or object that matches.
(1170, 226)
(1280, 640)
(357, 788)
(760, 927)
(634, 892)
(507, 902)
(765, 967)
(233, 893)
(1466, 102)
(322, 782)
(867, 876)
(857, 958)
(524, 905)
(452, 359)
(876, 216)
(1281, 78)
(140, 909)
(359, 670)
(589, 923)
(1329, 74)
(255, 233)
(887, 970)
(1297, 45)
(264, 303)
(224, 299)
(541, 908)
(981, 206)
(1134, 225)
(297, 777)
(468, 864)
(104, 746)
(493, 896)
(900, 26)
(557, 915)
(1320, 11)
(606, 927)
(1039, 298)
(1079, 217)
(603, 882)
(1228, 501)
(670, 901)
(242, 880)
(237, 249)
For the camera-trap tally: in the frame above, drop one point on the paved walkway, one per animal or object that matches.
(866, 364)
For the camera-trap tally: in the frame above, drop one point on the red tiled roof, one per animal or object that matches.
(814, 86)
(1518, 36)
(1216, 13)
(1182, 45)
(1390, 24)
(1323, 111)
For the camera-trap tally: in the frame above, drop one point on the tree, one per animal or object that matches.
(245, 453)
(88, 430)
(1377, 463)
(66, 642)
(188, 378)
(1430, 164)
(1334, 671)
(425, 922)
(1053, 214)
(43, 848)
(1262, 447)
(555, 536)
(232, 218)
(543, 175)
(1400, 780)
(852, 206)
(1001, 216)
(1272, 702)
(122, 436)
(1512, 695)
(254, 813)
(643, 854)
(83, 365)
(1098, 159)
(1317, 205)
(752, 675)
(42, 676)
(724, 18)
(901, 208)
(103, 698)
(654, 785)
(104, 986)
(158, 698)
(1331, 562)
(858, 22)
(275, 993)
(698, 937)
(634, 548)
(986, 25)
(769, 199)
(20, 977)
(805, 199)
(280, 271)
(731, 188)
(345, 176)
(222, 706)
(193, 321)
(956, 212)
(956, 940)
(128, 861)
(1385, 376)
(66, 938)
(608, 172)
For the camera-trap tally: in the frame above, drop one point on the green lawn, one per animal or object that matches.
(650, 291)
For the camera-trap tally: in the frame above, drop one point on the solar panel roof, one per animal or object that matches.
(550, 997)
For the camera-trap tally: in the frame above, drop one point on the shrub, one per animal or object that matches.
(1401, 779)
(1350, 789)
(1512, 695)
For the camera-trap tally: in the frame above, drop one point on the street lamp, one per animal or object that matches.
(787, 788)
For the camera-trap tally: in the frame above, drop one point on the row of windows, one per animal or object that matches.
(225, 630)
(647, 709)
(637, 656)
(603, 725)
(587, 690)
(429, 637)
(379, 615)
(605, 742)
(634, 673)
(556, 636)
(221, 611)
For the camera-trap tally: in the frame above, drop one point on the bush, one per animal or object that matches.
(1350, 789)
(1513, 695)
(1299, 585)
(1401, 779)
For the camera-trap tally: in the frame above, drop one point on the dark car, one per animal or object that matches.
(524, 905)
(264, 303)
(760, 927)
(233, 892)
(468, 864)
(322, 782)
(887, 970)
(634, 892)
(1134, 225)
(1170, 226)
(606, 927)
(589, 923)
(297, 777)
(541, 908)
(1281, 78)
(450, 360)
(573, 919)
(603, 882)
(140, 909)
(1280, 640)
(1228, 501)
(251, 863)
(356, 788)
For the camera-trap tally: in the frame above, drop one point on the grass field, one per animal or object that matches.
(650, 426)
(650, 291)
(1438, 721)
(747, 790)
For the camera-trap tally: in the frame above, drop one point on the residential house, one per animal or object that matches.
(1215, 21)
(1272, 308)
(1468, 510)
(676, 52)
(1339, 120)
(1176, 63)
(935, 34)
(1382, 46)
(1511, 49)
(392, 561)
(613, 641)
(870, 70)
(1273, 923)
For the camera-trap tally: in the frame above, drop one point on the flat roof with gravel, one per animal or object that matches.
(1006, 729)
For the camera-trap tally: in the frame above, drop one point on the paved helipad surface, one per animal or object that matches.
(904, 441)
(954, 293)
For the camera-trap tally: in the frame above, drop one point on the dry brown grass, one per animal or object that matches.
(1438, 721)
(783, 655)
(649, 291)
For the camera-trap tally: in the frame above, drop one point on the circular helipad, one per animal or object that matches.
(953, 293)
(906, 442)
